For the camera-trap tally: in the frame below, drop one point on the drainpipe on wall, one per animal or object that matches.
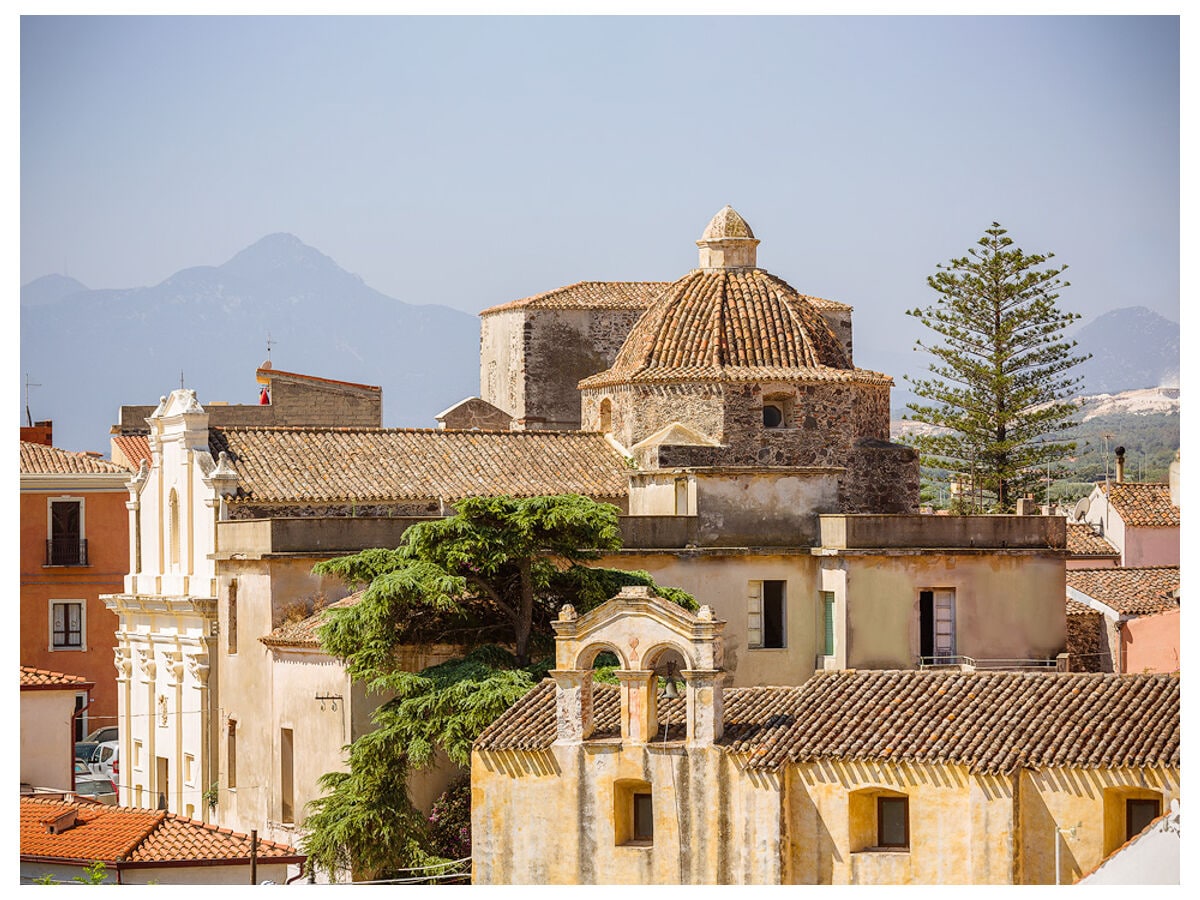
(75, 718)
(1058, 833)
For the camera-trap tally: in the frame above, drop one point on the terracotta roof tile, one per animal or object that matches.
(1082, 541)
(304, 632)
(990, 721)
(1130, 591)
(339, 465)
(730, 324)
(136, 447)
(38, 459)
(590, 295)
(1075, 608)
(1143, 505)
(114, 833)
(31, 677)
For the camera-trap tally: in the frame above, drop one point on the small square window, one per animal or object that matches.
(1138, 814)
(892, 819)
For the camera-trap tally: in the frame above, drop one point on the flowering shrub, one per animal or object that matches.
(450, 821)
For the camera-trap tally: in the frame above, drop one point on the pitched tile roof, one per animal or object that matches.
(1082, 541)
(730, 324)
(1143, 505)
(989, 721)
(1075, 608)
(136, 447)
(1130, 591)
(339, 465)
(304, 632)
(38, 459)
(115, 834)
(35, 678)
(590, 295)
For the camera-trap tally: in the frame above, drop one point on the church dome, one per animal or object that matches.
(726, 224)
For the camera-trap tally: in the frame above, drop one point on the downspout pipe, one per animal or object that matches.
(75, 718)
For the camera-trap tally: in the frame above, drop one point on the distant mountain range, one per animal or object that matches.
(93, 350)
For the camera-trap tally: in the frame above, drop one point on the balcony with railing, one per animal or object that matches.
(971, 664)
(66, 552)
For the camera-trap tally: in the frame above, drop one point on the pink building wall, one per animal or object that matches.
(1151, 643)
(1151, 546)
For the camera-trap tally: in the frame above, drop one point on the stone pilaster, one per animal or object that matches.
(705, 706)
(573, 703)
(639, 705)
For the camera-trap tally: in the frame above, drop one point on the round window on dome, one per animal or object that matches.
(772, 415)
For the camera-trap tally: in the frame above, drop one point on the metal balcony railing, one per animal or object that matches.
(969, 663)
(66, 552)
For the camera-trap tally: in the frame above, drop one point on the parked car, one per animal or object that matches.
(104, 760)
(106, 733)
(85, 750)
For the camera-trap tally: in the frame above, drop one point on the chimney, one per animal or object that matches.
(1173, 480)
(1120, 451)
(64, 821)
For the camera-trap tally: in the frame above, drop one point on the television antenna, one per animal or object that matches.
(28, 385)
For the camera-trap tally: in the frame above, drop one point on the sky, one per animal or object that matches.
(468, 161)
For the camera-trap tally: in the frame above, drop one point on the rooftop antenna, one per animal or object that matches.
(181, 379)
(28, 385)
(269, 343)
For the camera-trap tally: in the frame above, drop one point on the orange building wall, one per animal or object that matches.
(1151, 643)
(106, 529)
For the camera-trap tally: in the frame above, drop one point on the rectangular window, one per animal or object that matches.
(285, 776)
(189, 769)
(231, 761)
(1138, 814)
(65, 545)
(231, 625)
(827, 618)
(80, 717)
(892, 818)
(66, 625)
(643, 817)
(766, 620)
(938, 639)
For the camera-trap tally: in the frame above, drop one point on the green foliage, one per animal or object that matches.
(93, 873)
(1000, 378)
(491, 577)
(450, 821)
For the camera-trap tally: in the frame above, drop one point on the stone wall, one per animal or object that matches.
(531, 361)
(1088, 643)
(882, 477)
(840, 323)
(474, 413)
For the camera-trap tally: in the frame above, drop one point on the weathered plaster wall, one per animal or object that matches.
(1008, 604)
(960, 826)
(1094, 800)
(1151, 547)
(711, 826)
(1152, 643)
(722, 580)
(46, 739)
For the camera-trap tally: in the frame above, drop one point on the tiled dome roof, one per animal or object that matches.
(728, 323)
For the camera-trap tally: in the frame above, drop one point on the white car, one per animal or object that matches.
(104, 761)
(98, 787)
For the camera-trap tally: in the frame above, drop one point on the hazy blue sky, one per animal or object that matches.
(470, 161)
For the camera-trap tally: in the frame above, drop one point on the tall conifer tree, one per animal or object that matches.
(1000, 383)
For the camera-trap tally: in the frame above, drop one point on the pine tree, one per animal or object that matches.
(1000, 383)
(490, 577)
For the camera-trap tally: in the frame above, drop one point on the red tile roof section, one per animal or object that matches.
(1143, 505)
(136, 447)
(304, 632)
(342, 465)
(731, 324)
(116, 834)
(1130, 591)
(44, 678)
(590, 295)
(1082, 541)
(988, 721)
(38, 459)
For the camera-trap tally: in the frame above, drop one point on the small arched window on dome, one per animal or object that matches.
(606, 415)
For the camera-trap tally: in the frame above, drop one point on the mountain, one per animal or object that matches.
(1131, 348)
(94, 350)
(49, 289)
